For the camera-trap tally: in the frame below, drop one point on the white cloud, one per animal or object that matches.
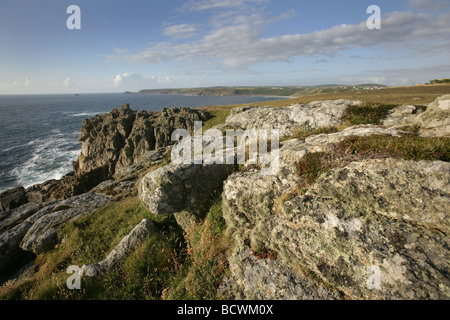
(180, 31)
(68, 83)
(135, 81)
(121, 51)
(202, 5)
(243, 44)
(28, 82)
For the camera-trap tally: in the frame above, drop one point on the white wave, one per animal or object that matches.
(52, 159)
(84, 114)
(13, 147)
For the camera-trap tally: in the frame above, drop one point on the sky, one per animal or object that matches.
(146, 44)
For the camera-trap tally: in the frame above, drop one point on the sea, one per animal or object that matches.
(39, 133)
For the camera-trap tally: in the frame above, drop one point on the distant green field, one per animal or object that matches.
(290, 91)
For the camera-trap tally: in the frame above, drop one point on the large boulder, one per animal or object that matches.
(367, 229)
(32, 227)
(435, 121)
(12, 198)
(182, 188)
(42, 234)
(288, 119)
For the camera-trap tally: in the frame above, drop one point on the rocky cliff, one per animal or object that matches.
(354, 211)
(122, 137)
(110, 142)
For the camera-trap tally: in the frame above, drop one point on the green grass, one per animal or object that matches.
(208, 264)
(217, 116)
(408, 147)
(89, 240)
(367, 113)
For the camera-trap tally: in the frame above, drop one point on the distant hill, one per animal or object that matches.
(276, 91)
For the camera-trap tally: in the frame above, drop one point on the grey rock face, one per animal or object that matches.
(286, 119)
(13, 233)
(42, 233)
(264, 279)
(435, 121)
(122, 137)
(128, 243)
(32, 227)
(361, 230)
(401, 115)
(375, 220)
(12, 199)
(182, 187)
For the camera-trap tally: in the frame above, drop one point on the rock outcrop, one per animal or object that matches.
(13, 198)
(32, 227)
(288, 119)
(435, 121)
(183, 189)
(122, 138)
(368, 229)
(110, 142)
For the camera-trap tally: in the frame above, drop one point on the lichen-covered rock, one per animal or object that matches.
(125, 246)
(265, 279)
(175, 188)
(435, 121)
(382, 222)
(122, 137)
(401, 115)
(310, 116)
(43, 225)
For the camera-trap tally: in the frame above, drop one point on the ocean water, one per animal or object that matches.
(39, 133)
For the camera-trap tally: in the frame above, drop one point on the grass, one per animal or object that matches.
(89, 240)
(167, 265)
(217, 116)
(207, 265)
(408, 147)
(367, 113)
(417, 95)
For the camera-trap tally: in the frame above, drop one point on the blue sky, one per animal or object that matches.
(140, 44)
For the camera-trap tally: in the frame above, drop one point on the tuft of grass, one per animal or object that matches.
(216, 116)
(356, 148)
(408, 147)
(312, 165)
(207, 247)
(368, 113)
